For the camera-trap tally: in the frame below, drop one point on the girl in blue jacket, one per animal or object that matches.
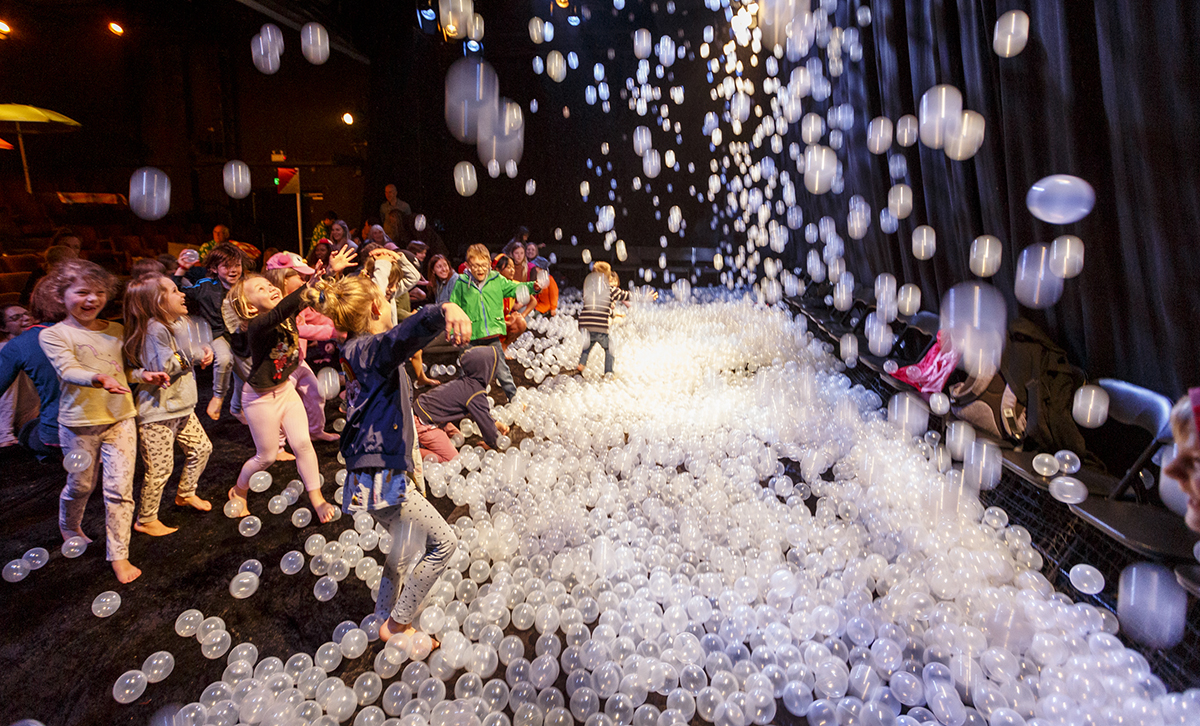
(377, 442)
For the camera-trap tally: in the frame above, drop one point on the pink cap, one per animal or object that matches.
(284, 260)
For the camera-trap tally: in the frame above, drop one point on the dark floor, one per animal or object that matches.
(58, 661)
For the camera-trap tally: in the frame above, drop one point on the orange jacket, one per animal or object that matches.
(547, 299)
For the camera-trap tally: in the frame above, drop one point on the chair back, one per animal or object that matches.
(1136, 406)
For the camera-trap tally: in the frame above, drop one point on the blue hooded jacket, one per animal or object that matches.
(379, 428)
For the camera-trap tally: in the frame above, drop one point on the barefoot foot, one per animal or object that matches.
(154, 529)
(325, 436)
(194, 502)
(214, 408)
(428, 382)
(69, 533)
(239, 495)
(325, 511)
(126, 573)
(285, 456)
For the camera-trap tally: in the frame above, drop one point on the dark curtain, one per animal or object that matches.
(1107, 91)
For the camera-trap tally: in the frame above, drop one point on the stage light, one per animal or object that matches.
(429, 14)
(116, 29)
(564, 4)
(4, 29)
(573, 19)
(348, 118)
(473, 46)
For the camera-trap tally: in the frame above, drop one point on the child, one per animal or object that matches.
(284, 270)
(165, 413)
(377, 443)
(268, 340)
(95, 412)
(547, 299)
(394, 273)
(23, 354)
(464, 396)
(595, 315)
(514, 318)
(204, 301)
(441, 279)
(481, 295)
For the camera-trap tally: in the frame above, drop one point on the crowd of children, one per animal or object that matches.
(112, 391)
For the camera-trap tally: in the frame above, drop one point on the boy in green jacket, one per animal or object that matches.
(480, 294)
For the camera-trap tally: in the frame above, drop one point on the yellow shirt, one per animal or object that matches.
(77, 356)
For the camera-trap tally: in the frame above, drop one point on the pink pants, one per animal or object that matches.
(310, 394)
(266, 413)
(434, 442)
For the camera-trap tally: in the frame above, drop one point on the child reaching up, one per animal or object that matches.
(165, 413)
(377, 441)
(599, 299)
(269, 341)
(204, 299)
(95, 411)
(451, 401)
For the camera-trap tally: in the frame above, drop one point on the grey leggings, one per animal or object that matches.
(415, 519)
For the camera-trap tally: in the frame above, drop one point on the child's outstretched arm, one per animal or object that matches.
(61, 353)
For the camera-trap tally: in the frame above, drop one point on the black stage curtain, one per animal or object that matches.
(1107, 91)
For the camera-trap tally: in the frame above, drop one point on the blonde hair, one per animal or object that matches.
(237, 298)
(1182, 418)
(602, 266)
(477, 251)
(347, 302)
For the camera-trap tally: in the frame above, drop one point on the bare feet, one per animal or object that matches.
(427, 381)
(325, 436)
(154, 529)
(69, 533)
(390, 627)
(126, 573)
(194, 502)
(325, 511)
(284, 455)
(237, 494)
(214, 408)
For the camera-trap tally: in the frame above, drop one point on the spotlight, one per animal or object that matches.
(473, 46)
(116, 29)
(564, 4)
(348, 118)
(573, 19)
(4, 29)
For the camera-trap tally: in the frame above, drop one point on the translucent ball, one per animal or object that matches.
(158, 666)
(77, 460)
(325, 588)
(328, 656)
(1068, 489)
(234, 508)
(16, 570)
(187, 622)
(1045, 464)
(105, 604)
(354, 643)
(243, 585)
(1068, 461)
(249, 526)
(74, 547)
(36, 557)
(277, 504)
(216, 644)
(129, 687)
(315, 544)
(260, 481)
(1086, 579)
(292, 563)
(339, 424)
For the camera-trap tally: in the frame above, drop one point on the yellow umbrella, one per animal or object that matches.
(32, 120)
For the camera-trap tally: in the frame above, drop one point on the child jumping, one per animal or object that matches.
(165, 413)
(269, 341)
(377, 442)
(95, 411)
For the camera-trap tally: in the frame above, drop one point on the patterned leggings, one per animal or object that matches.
(115, 446)
(415, 519)
(157, 441)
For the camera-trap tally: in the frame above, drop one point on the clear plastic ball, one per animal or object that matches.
(105, 604)
(129, 687)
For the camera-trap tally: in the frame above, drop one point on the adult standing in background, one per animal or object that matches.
(221, 235)
(324, 228)
(391, 202)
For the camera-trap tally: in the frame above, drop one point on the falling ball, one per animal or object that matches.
(77, 460)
